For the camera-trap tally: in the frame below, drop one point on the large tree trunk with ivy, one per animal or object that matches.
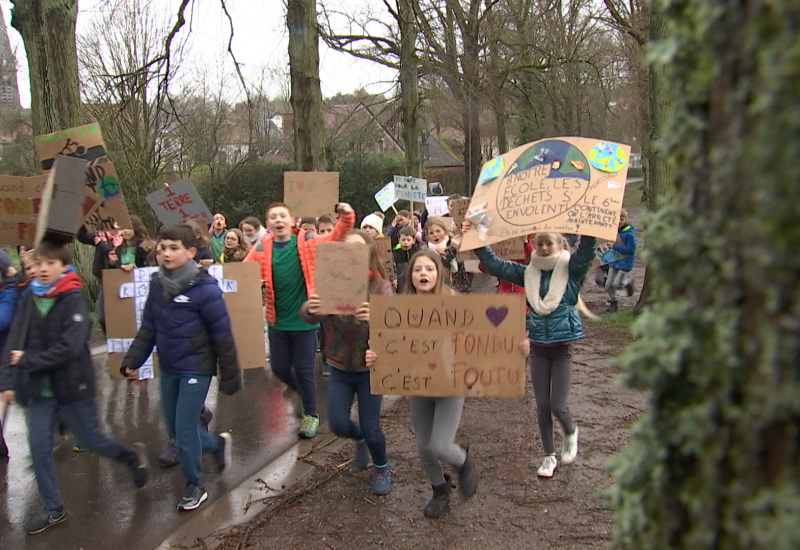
(306, 100)
(409, 87)
(48, 32)
(715, 462)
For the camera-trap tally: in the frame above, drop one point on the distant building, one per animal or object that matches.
(9, 90)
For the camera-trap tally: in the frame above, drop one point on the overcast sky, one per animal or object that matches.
(260, 39)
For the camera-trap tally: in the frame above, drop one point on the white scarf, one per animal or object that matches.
(257, 237)
(559, 265)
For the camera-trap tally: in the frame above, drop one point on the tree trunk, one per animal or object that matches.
(48, 33)
(715, 461)
(306, 100)
(409, 87)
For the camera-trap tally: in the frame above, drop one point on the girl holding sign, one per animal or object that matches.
(346, 342)
(552, 282)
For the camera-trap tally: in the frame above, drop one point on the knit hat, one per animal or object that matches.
(374, 222)
(5, 263)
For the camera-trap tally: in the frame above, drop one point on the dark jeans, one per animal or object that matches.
(292, 358)
(81, 418)
(3, 447)
(182, 398)
(550, 370)
(342, 386)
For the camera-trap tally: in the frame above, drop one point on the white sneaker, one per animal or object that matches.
(569, 450)
(548, 466)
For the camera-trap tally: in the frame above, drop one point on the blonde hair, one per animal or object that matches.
(435, 220)
(561, 239)
(441, 276)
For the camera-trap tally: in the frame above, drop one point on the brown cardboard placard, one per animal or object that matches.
(64, 188)
(86, 143)
(384, 245)
(341, 277)
(178, 202)
(561, 185)
(241, 283)
(511, 249)
(20, 201)
(439, 346)
(310, 194)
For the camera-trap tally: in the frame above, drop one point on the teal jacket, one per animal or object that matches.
(564, 324)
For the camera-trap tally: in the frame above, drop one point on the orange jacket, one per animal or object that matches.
(306, 249)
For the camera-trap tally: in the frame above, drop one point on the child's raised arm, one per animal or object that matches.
(346, 222)
(580, 262)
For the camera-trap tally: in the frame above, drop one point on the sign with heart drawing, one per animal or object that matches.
(440, 346)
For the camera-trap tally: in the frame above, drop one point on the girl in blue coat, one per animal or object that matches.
(552, 283)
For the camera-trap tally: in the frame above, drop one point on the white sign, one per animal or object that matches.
(386, 196)
(410, 189)
(437, 206)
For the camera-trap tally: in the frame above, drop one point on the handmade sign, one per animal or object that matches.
(410, 189)
(436, 206)
(384, 245)
(458, 210)
(563, 185)
(439, 346)
(311, 193)
(512, 249)
(604, 253)
(20, 201)
(86, 143)
(177, 202)
(125, 295)
(64, 188)
(386, 196)
(342, 279)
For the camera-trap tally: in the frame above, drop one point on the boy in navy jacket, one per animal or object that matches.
(618, 270)
(47, 352)
(186, 319)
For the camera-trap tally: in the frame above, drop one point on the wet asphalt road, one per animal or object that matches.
(104, 509)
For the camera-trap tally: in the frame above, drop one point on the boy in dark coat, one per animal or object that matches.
(186, 319)
(48, 348)
(401, 253)
(618, 272)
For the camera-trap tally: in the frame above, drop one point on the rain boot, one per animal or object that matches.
(441, 499)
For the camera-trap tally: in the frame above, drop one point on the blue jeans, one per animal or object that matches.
(292, 358)
(182, 397)
(81, 418)
(342, 386)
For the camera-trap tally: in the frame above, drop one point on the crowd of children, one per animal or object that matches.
(44, 331)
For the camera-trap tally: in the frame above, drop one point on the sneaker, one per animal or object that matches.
(193, 497)
(326, 370)
(77, 449)
(205, 417)
(381, 480)
(612, 306)
(309, 425)
(138, 466)
(38, 522)
(223, 454)
(169, 456)
(548, 466)
(569, 449)
(361, 456)
(467, 476)
(629, 288)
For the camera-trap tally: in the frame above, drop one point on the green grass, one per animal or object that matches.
(618, 319)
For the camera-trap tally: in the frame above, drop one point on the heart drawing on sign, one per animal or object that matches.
(496, 315)
(432, 366)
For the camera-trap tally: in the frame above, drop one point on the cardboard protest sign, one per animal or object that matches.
(439, 346)
(310, 194)
(386, 196)
(436, 206)
(20, 201)
(64, 188)
(604, 253)
(125, 294)
(512, 249)
(384, 245)
(563, 185)
(341, 277)
(410, 189)
(86, 143)
(177, 202)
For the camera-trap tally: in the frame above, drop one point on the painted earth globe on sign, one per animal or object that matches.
(608, 157)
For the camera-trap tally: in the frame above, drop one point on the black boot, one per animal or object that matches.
(441, 498)
(468, 476)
